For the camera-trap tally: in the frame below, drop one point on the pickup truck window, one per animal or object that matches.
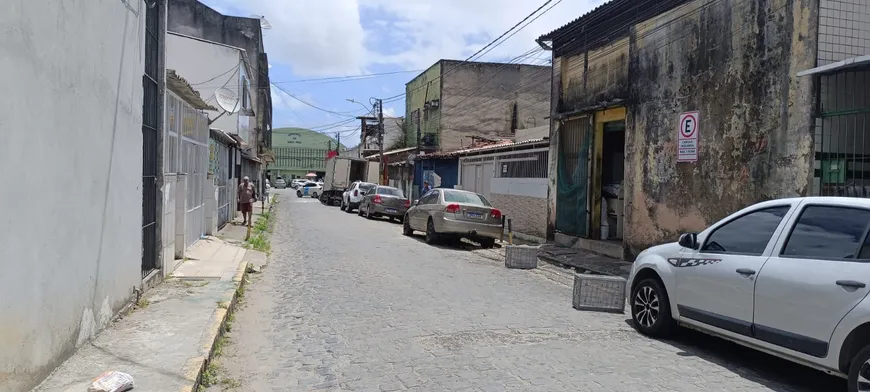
(828, 232)
(746, 235)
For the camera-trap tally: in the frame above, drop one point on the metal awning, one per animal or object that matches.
(839, 66)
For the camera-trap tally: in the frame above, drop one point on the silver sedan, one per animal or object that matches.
(454, 213)
(384, 201)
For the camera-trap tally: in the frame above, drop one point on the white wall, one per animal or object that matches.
(530, 187)
(71, 242)
(199, 61)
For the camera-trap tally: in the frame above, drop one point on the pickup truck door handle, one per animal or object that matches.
(851, 284)
(745, 271)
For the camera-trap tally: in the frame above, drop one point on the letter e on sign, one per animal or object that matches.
(687, 137)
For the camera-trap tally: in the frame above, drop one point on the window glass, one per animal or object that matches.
(827, 232)
(748, 234)
(390, 192)
(430, 198)
(365, 187)
(465, 198)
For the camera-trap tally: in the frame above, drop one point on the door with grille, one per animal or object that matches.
(572, 197)
(150, 141)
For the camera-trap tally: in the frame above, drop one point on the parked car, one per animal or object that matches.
(351, 198)
(309, 189)
(384, 201)
(297, 182)
(451, 213)
(787, 277)
(279, 183)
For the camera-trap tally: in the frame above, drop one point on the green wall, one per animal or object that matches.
(416, 96)
(299, 151)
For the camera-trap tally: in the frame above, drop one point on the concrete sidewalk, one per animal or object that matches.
(167, 340)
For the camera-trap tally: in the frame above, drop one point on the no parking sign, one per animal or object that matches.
(687, 149)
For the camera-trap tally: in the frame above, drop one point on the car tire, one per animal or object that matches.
(299, 194)
(651, 309)
(858, 370)
(343, 207)
(314, 195)
(369, 214)
(406, 227)
(359, 211)
(348, 208)
(431, 234)
(487, 243)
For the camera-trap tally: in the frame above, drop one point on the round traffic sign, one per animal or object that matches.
(688, 125)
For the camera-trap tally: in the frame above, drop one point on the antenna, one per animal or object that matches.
(264, 24)
(228, 101)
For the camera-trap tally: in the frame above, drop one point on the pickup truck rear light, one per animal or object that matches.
(495, 213)
(355, 192)
(407, 204)
(377, 199)
(452, 208)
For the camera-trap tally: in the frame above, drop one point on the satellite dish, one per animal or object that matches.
(227, 100)
(264, 24)
(411, 158)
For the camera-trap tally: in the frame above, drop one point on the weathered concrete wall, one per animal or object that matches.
(528, 214)
(593, 77)
(425, 87)
(72, 253)
(736, 64)
(553, 154)
(479, 99)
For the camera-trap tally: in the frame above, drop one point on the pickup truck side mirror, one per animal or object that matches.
(689, 240)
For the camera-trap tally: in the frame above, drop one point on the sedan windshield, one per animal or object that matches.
(466, 198)
(391, 192)
(366, 187)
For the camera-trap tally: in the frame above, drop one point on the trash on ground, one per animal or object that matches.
(112, 382)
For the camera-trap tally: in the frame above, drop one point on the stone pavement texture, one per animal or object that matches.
(351, 304)
(163, 342)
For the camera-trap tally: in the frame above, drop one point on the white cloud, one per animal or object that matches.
(389, 112)
(326, 37)
(281, 100)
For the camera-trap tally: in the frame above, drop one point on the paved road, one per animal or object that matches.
(351, 304)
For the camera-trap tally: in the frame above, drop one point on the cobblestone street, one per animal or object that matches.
(351, 304)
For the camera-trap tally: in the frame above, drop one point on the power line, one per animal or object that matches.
(345, 114)
(350, 77)
(493, 44)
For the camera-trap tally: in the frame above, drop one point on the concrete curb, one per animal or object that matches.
(194, 367)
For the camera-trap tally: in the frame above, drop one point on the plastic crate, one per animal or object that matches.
(521, 257)
(599, 293)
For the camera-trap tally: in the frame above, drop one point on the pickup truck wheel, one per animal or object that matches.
(348, 208)
(342, 205)
(431, 234)
(298, 193)
(314, 195)
(859, 371)
(406, 227)
(651, 309)
(487, 243)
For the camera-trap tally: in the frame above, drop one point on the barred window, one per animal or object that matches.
(522, 165)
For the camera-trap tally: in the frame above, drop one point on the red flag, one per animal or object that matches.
(331, 153)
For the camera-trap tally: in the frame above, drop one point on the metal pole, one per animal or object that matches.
(510, 232)
(381, 140)
(501, 236)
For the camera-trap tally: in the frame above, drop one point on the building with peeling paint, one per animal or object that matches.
(458, 101)
(769, 124)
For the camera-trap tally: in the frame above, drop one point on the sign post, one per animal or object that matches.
(689, 126)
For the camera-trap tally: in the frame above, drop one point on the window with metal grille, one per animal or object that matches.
(522, 165)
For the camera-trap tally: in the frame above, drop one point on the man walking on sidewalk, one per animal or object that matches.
(247, 197)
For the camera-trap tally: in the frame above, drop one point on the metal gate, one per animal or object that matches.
(150, 141)
(194, 162)
(572, 186)
(842, 150)
(220, 169)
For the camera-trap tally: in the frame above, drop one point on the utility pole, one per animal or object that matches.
(381, 139)
(417, 121)
(338, 143)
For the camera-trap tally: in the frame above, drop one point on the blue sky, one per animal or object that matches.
(335, 38)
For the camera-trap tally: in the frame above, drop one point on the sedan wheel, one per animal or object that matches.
(369, 213)
(859, 372)
(650, 309)
(406, 227)
(431, 235)
(359, 211)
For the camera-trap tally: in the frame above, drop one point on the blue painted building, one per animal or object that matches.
(441, 172)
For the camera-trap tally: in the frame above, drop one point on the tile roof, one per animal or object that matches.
(494, 147)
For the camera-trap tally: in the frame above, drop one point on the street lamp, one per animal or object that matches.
(359, 103)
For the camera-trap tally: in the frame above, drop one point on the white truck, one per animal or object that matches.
(343, 171)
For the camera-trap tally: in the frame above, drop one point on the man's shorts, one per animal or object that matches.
(245, 207)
